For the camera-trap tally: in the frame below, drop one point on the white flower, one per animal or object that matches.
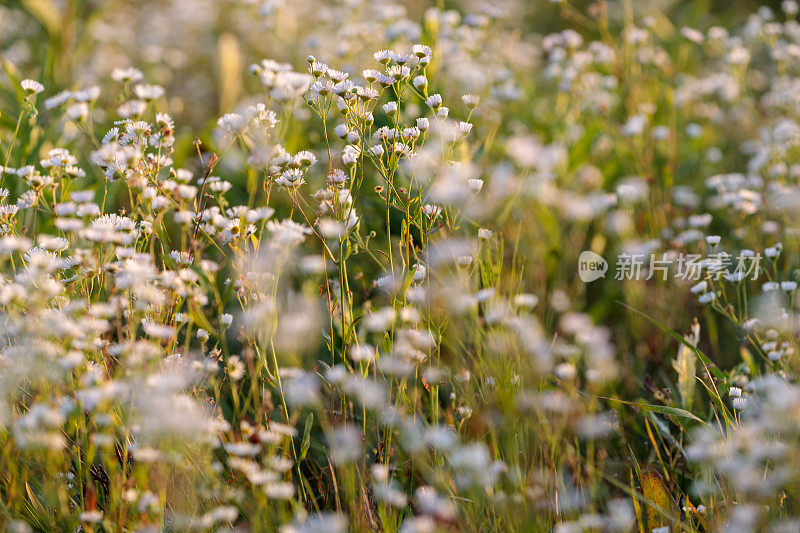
(91, 516)
(398, 72)
(31, 86)
(694, 130)
(699, 287)
(234, 123)
(317, 523)
(337, 177)
(526, 300)
(470, 100)
(421, 50)
(661, 132)
(464, 128)
(181, 258)
(345, 444)
(341, 131)
(634, 126)
(410, 134)
(707, 298)
(87, 95)
(350, 156)
(383, 56)
(434, 101)
(693, 35)
(78, 112)
(291, 178)
(58, 157)
(159, 331)
(57, 100)
(371, 75)
(565, 371)
(148, 92)
(431, 210)
(317, 68)
(128, 74)
(390, 108)
(132, 108)
(305, 158)
(337, 76)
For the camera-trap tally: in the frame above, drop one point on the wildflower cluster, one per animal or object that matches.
(338, 289)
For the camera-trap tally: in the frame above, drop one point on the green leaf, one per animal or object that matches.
(667, 410)
(685, 366)
(644, 406)
(306, 436)
(46, 13)
(663, 409)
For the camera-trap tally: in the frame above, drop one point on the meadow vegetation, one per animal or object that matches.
(313, 266)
